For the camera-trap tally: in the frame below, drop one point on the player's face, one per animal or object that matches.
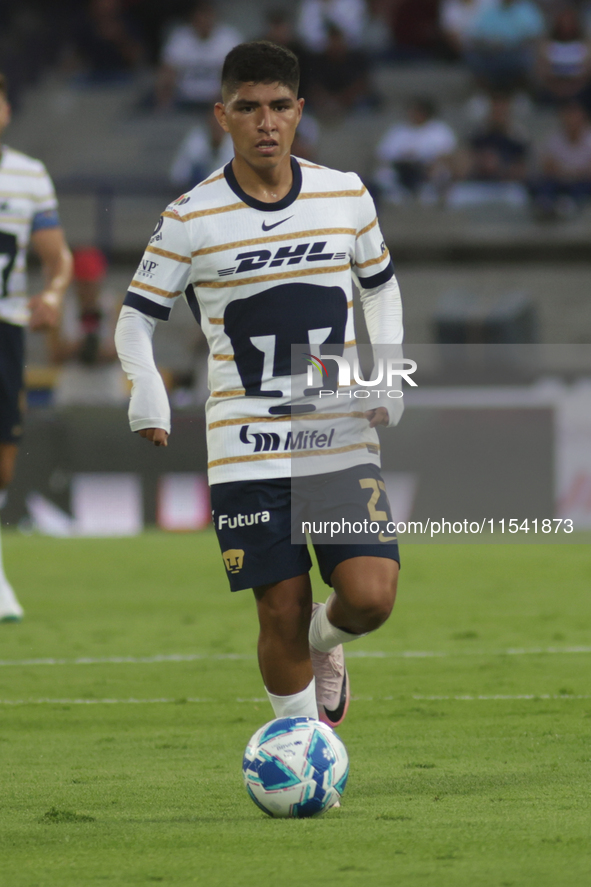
(262, 119)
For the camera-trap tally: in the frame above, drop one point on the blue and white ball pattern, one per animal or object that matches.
(295, 767)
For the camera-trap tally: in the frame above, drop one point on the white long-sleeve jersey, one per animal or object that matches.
(262, 278)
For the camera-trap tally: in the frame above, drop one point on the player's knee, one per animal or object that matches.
(375, 609)
(377, 601)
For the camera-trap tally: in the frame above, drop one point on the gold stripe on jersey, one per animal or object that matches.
(377, 261)
(274, 238)
(349, 304)
(197, 214)
(24, 195)
(290, 454)
(312, 166)
(264, 278)
(14, 220)
(154, 289)
(367, 228)
(210, 181)
(351, 343)
(217, 320)
(30, 173)
(299, 454)
(321, 195)
(302, 417)
(238, 392)
(167, 254)
(223, 357)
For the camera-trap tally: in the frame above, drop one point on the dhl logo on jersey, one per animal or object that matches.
(293, 254)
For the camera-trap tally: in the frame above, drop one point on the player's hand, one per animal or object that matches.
(378, 416)
(158, 436)
(45, 311)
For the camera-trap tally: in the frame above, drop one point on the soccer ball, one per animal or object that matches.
(295, 767)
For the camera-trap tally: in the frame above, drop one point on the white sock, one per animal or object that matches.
(9, 606)
(324, 636)
(300, 705)
(2, 574)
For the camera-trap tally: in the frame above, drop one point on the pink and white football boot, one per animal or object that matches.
(332, 683)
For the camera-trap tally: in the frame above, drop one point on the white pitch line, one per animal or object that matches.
(257, 699)
(353, 654)
(498, 696)
(126, 660)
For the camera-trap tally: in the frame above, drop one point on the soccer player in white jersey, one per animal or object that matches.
(264, 250)
(28, 214)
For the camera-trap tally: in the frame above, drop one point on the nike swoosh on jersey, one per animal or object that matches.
(269, 227)
(383, 538)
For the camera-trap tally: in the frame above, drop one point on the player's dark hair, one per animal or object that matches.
(260, 61)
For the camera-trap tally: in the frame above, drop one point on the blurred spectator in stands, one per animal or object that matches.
(280, 30)
(456, 18)
(416, 157)
(192, 59)
(151, 17)
(415, 29)
(106, 45)
(84, 346)
(305, 144)
(503, 37)
(494, 166)
(564, 58)
(317, 16)
(565, 181)
(339, 78)
(204, 149)
(377, 34)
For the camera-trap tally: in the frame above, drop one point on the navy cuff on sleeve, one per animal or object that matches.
(384, 276)
(146, 306)
(48, 218)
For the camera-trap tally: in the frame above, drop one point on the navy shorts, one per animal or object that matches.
(12, 387)
(254, 522)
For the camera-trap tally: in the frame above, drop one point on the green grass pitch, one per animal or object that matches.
(470, 763)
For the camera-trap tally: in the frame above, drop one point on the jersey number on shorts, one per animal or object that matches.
(8, 251)
(263, 328)
(377, 487)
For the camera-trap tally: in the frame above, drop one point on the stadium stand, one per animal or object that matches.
(110, 155)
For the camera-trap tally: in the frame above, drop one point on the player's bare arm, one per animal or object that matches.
(56, 260)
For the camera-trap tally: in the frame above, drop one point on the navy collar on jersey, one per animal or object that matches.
(286, 201)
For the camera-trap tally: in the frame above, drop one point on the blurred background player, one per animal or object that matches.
(83, 343)
(28, 214)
